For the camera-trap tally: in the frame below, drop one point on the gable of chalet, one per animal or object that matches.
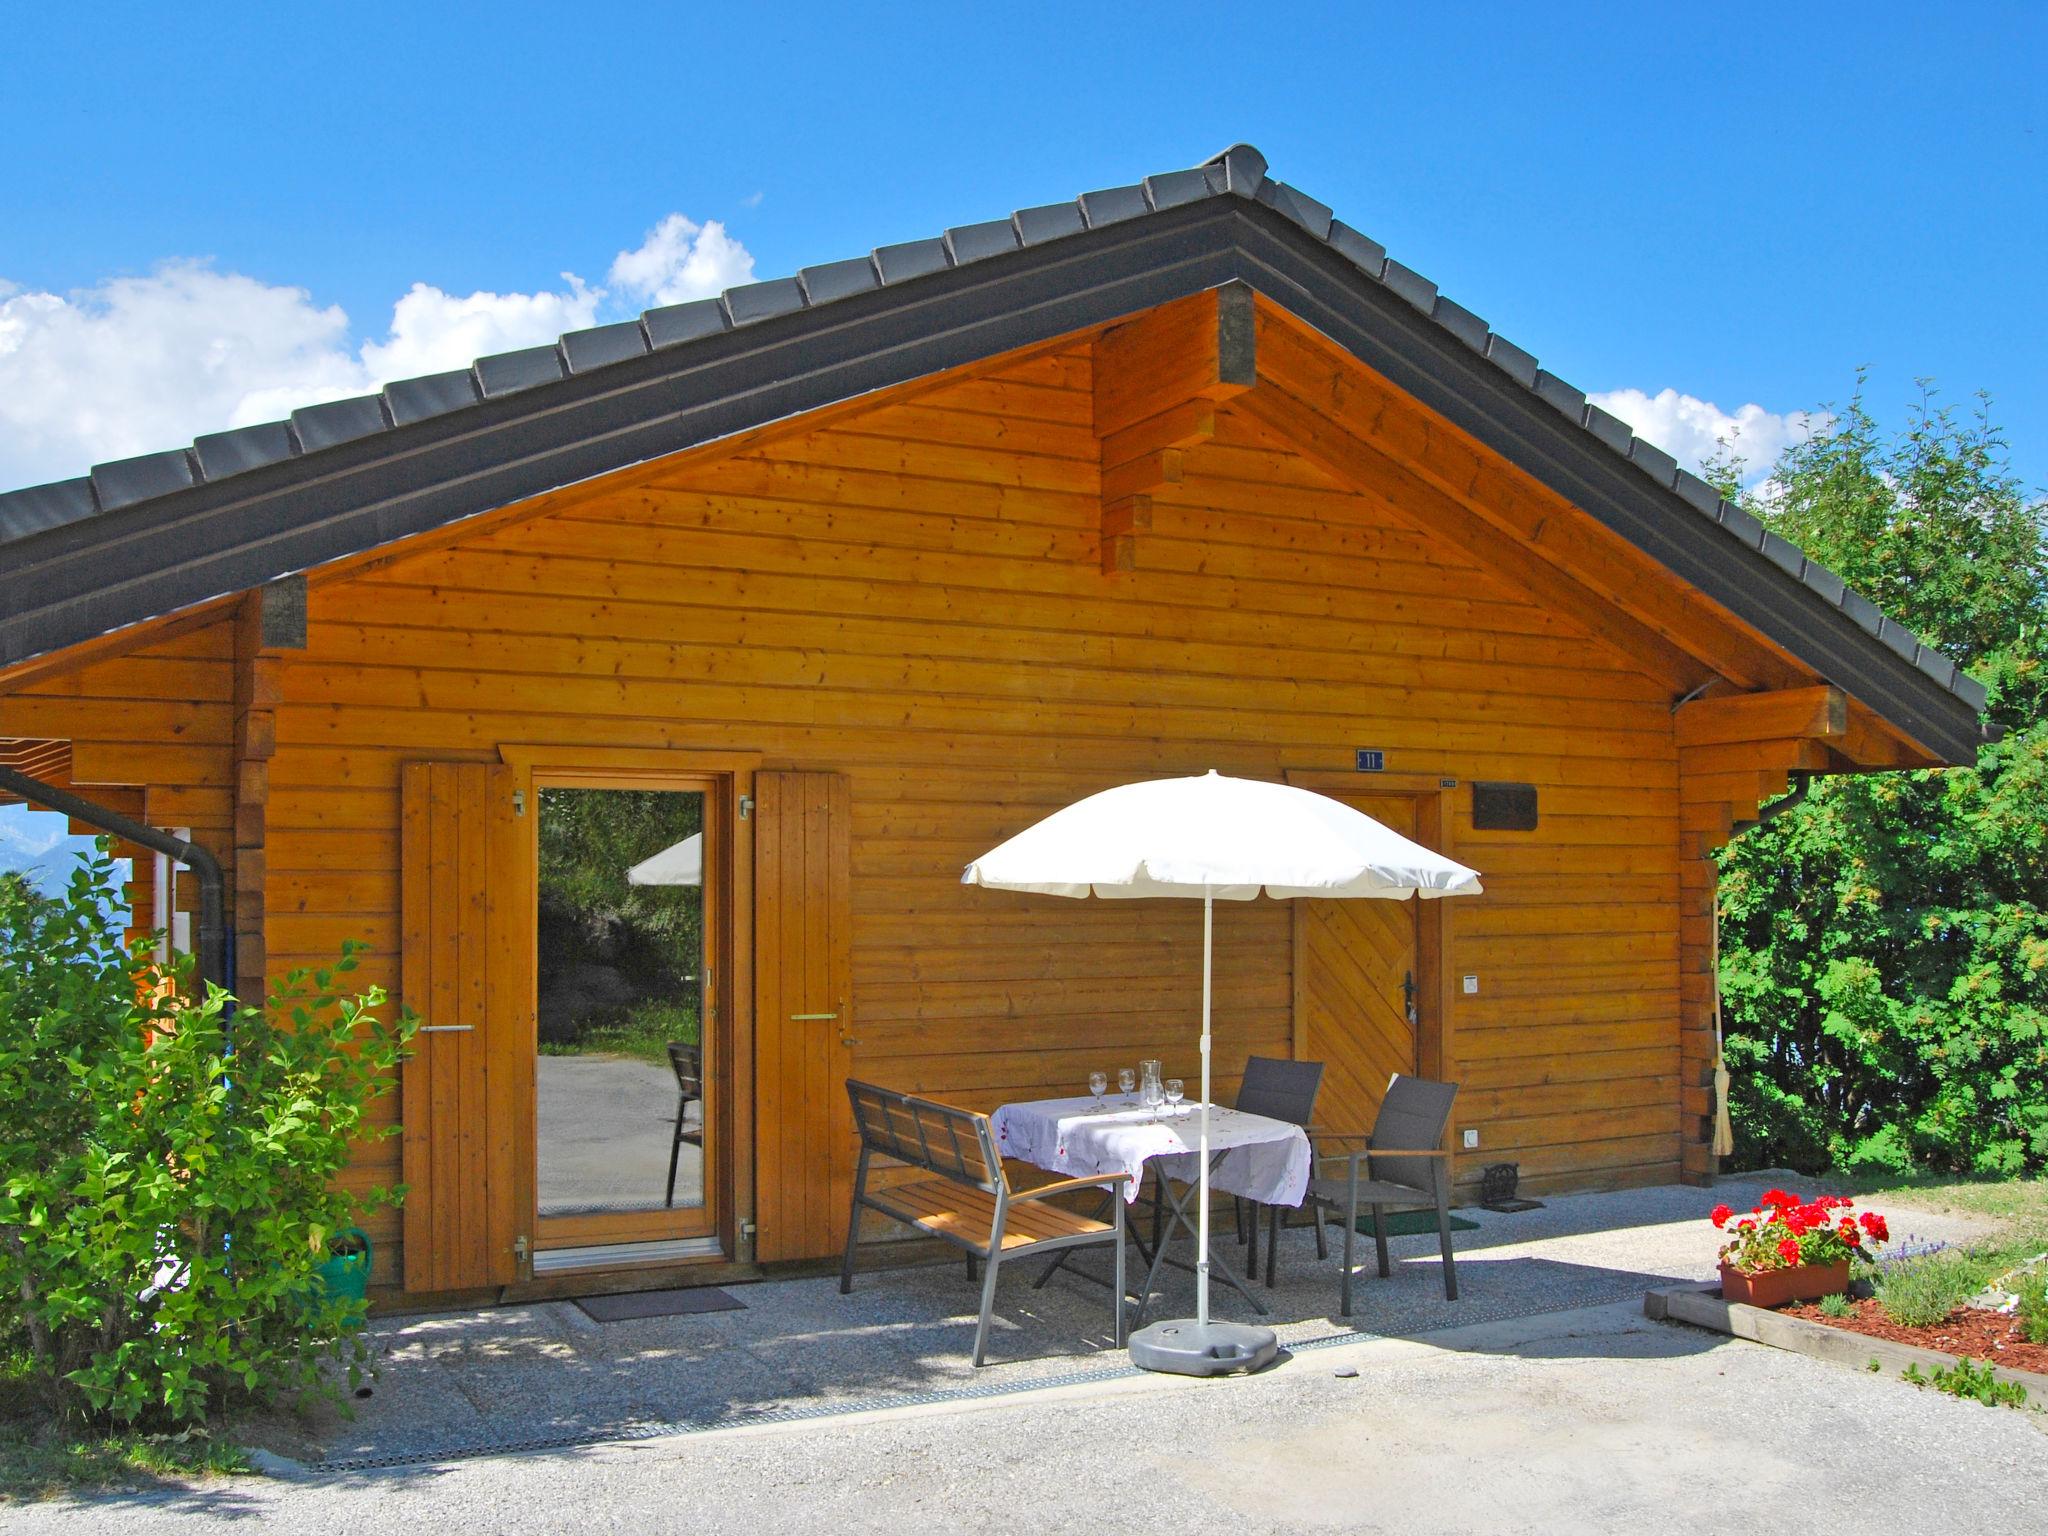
(1206, 288)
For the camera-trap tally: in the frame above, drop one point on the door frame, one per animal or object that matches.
(1435, 1055)
(729, 1159)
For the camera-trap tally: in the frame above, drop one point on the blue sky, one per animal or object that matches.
(1741, 207)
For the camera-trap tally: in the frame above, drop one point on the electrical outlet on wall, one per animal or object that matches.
(1471, 1141)
(1471, 986)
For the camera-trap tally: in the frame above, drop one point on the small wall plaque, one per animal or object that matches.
(1503, 807)
(1371, 760)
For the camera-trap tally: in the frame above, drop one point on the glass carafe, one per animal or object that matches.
(1151, 1086)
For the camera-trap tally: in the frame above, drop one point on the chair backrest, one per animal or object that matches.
(1412, 1118)
(687, 1062)
(1280, 1090)
(940, 1138)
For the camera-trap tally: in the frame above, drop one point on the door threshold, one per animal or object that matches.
(556, 1261)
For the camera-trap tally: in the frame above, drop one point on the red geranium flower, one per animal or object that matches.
(1788, 1250)
(1720, 1215)
(1777, 1197)
(1876, 1226)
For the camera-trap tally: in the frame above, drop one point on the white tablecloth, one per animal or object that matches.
(1265, 1160)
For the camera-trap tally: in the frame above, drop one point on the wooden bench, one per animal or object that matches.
(966, 1197)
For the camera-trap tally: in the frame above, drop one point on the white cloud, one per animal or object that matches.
(682, 260)
(135, 364)
(1693, 430)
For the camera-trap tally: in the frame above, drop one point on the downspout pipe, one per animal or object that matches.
(212, 940)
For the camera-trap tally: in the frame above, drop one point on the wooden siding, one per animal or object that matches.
(914, 596)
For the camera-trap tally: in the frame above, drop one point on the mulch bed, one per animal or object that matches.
(1972, 1331)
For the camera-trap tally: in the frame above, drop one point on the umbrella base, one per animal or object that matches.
(1188, 1348)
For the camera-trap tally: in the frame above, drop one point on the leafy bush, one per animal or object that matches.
(1918, 1289)
(167, 1167)
(1884, 964)
(2033, 1308)
(1973, 1380)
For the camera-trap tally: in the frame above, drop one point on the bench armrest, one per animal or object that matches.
(1067, 1186)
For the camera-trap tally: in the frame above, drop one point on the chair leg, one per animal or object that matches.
(1272, 1241)
(675, 1150)
(972, 1273)
(1251, 1252)
(988, 1303)
(1443, 1230)
(1322, 1238)
(852, 1237)
(1379, 1238)
(1350, 1236)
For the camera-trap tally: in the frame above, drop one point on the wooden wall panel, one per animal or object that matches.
(913, 597)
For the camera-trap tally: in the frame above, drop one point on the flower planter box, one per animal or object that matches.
(1775, 1287)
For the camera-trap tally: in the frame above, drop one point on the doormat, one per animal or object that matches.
(1512, 1205)
(1414, 1223)
(672, 1303)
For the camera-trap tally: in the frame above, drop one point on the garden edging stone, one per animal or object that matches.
(1702, 1307)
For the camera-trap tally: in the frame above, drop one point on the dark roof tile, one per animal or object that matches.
(1742, 525)
(1784, 554)
(764, 301)
(224, 454)
(1461, 323)
(1511, 360)
(679, 323)
(1696, 493)
(506, 373)
(435, 394)
(34, 508)
(1052, 221)
(914, 258)
(1561, 397)
(338, 421)
(1296, 205)
(1824, 581)
(1899, 638)
(127, 481)
(1969, 690)
(1609, 428)
(838, 279)
(1861, 609)
(974, 242)
(1936, 666)
(1177, 187)
(1113, 205)
(603, 344)
(1652, 460)
(1368, 255)
(1244, 169)
(1412, 286)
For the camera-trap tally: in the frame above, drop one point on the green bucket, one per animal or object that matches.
(346, 1270)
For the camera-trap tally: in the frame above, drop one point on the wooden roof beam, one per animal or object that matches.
(1158, 380)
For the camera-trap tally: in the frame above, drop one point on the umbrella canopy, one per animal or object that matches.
(678, 864)
(1210, 837)
(1218, 837)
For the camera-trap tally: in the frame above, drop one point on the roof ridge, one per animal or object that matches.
(1238, 171)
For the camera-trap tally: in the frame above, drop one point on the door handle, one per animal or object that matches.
(1408, 996)
(810, 1018)
(445, 1029)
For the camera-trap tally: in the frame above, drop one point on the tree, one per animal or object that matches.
(1884, 965)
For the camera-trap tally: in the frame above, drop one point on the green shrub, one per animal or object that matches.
(1837, 1305)
(167, 1167)
(1973, 1380)
(2033, 1309)
(1918, 1290)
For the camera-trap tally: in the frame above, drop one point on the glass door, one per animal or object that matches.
(628, 937)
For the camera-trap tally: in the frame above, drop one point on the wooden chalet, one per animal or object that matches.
(885, 561)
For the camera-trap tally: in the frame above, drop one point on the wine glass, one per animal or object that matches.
(1154, 1096)
(1098, 1084)
(1126, 1082)
(1176, 1090)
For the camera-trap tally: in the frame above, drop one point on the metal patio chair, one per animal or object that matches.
(1279, 1090)
(1401, 1164)
(687, 1062)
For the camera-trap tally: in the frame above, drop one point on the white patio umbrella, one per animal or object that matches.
(1214, 837)
(677, 864)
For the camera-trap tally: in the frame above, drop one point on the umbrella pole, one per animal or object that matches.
(1202, 1218)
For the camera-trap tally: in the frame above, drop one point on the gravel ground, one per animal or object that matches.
(1591, 1420)
(511, 1377)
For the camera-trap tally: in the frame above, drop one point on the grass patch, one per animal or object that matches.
(642, 1032)
(2019, 1204)
(40, 1459)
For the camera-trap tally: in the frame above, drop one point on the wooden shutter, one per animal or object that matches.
(804, 1142)
(466, 1096)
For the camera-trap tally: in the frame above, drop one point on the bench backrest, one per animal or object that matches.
(940, 1138)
